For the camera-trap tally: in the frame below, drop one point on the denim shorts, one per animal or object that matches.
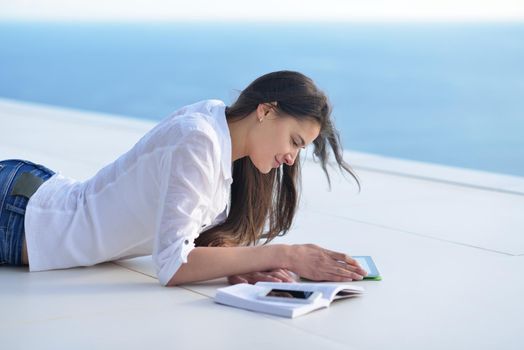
(12, 207)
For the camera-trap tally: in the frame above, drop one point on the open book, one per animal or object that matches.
(246, 296)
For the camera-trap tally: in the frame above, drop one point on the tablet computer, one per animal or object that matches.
(367, 263)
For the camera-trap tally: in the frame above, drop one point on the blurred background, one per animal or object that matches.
(435, 81)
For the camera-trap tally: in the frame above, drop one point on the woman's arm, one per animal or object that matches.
(205, 263)
(307, 260)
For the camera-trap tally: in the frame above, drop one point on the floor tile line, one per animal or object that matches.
(130, 269)
(434, 179)
(414, 233)
(145, 274)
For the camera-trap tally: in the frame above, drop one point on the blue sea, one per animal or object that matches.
(444, 93)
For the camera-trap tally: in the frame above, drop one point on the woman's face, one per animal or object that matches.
(278, 140)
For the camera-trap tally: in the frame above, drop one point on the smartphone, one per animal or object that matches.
(288, 295)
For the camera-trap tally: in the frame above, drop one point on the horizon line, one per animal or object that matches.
(399, 20)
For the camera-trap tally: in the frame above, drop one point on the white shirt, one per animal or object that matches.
(154, 199)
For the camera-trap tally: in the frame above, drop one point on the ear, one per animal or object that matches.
(264, 108)
(267, 107)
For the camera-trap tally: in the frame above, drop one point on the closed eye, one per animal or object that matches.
(296, 144)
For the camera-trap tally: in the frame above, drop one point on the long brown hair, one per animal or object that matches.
(258, 199)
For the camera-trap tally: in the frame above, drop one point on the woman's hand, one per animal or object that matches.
(319, 264)
(277, 275)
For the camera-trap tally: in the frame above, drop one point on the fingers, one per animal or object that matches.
(345, 272)
(343, 257)
(355, 272)
(262, 276)
(251, 278)
(348, 262)
(277, 275)
(283, 275)
(323, 264)
(236, 279)
(335, 277)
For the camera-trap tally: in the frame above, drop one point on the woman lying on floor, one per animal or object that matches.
(168, 195)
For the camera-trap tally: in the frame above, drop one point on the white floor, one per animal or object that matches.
(449, 243)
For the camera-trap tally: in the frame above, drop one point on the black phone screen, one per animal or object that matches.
(286, 293)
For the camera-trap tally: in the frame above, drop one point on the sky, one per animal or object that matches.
(267, 10)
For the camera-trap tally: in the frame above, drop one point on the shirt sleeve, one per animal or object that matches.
(193, 169)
